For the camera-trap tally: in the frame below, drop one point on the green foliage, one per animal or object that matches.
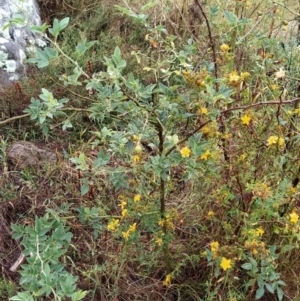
(44, 274)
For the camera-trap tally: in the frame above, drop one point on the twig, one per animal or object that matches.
(14, 118)
(212, 44)
(17, 263)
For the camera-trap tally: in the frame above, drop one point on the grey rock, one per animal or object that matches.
(15, 39)
(26, 154)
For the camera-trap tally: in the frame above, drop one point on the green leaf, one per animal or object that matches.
(67, 124)
(287, 248)
(270, 288)
(84, 189)
(247, 266)
(79, 295)
(23, 296)
(81, 48)
(279, 293)
(39, 29)
(64, 23)
(118, 59)
(259, 292)
(58, 26)
(102, 158)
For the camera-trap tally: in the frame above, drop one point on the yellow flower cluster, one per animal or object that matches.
(225, 263)
(253, 242)
(255, 246)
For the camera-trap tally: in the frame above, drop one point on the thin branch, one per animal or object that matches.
(285, 7)
(243, 108)
(258, 104)
(27, 115)
(14, 118)
(212, 44)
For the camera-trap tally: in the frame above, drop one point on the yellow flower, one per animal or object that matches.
(294, 217)
(248, 4)
(122, 205)
(113, 224)
(224, 47)
(161, 222)
(203, 111)
(126, 235)
(159, 241)
(185, 152)
(275, 140)
(234, 78)
(274, 87)
(167, 280)
(260, 231)
(272, 140)
(124, 212)
(205, 155)
(132, 228)
(210, 214)
(214, 246)
(280, 141)
(136, 158)
(225, 264)
(137, 198)
(246, 119)
(245, 75)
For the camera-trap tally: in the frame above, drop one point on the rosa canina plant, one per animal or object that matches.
(231, 134)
